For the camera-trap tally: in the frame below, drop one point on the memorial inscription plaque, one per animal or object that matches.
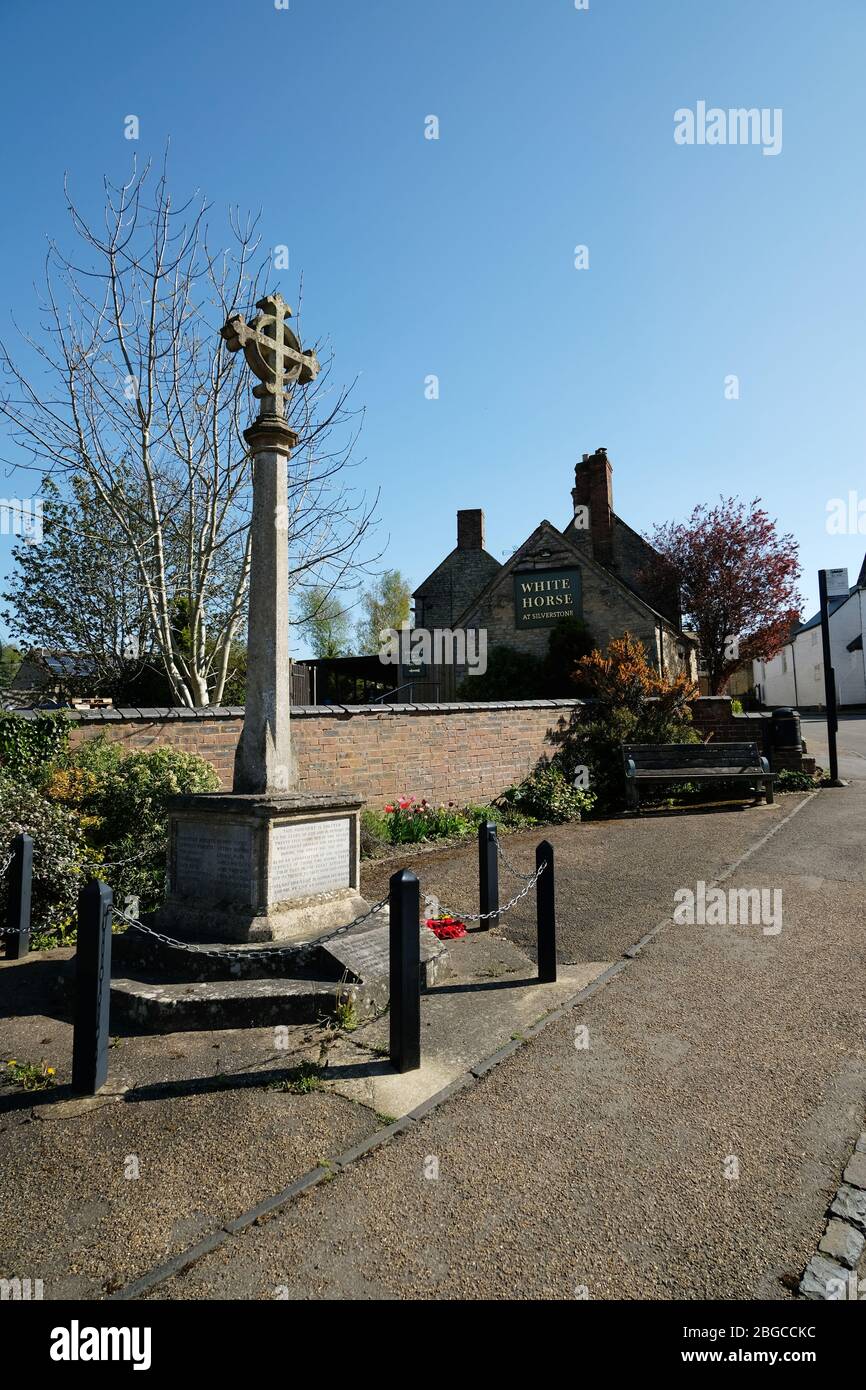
(213, 861)
(311, 857)
(247, 867)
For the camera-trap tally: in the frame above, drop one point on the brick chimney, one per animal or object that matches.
(593, 488)
(470, 530)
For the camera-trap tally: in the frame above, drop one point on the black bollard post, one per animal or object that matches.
(92, 989)
(545, 902)
(405, 945)
(18, 902)
(488, 874)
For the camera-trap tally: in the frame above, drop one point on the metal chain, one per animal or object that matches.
(238, 955)
(510, 867)
(482, 916)
(338, 931)
(164, 940)
(118, 863)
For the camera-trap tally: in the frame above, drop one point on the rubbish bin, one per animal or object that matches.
(786, 729)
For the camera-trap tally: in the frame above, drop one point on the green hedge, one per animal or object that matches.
(95, 812)
(59, 851)
(30, 747)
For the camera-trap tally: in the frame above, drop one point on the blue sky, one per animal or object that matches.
(455, 257)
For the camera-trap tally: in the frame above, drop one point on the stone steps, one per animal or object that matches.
(133, 952)
(157, 988)
(154, 1006)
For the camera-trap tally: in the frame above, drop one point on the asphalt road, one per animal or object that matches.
(850, 743)
(689, 1151)
(614, 878)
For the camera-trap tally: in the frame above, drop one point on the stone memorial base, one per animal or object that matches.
(262, 867)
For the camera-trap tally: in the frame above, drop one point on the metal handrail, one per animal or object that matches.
(410, 686)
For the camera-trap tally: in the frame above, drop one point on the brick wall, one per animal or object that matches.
(211, 733)
(460, 752)
(713, 717)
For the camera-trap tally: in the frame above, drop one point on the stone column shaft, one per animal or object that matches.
(264, 760)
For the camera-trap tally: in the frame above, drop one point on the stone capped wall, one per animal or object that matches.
(453, 752)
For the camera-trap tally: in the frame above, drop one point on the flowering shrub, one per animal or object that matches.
(406, 821)
(410, 821)
(630, 703)
(59, 851)
(547, 795)
(121, 803)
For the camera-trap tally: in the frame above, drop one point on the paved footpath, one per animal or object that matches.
(608, 1168)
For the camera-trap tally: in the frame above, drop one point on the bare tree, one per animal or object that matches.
(139, 387)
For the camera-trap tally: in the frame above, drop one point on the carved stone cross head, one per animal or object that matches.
(272, 351)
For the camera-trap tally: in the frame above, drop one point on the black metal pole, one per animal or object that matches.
(92, 989)
(488, 873)
(405, 944)
(18, 901)
(829, 677)
(545, 901)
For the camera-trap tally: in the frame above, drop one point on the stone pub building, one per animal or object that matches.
(595, 568)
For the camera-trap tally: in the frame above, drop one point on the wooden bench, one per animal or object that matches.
(648, 763)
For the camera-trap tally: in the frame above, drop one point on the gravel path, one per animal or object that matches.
(609, 1169)
(96, 1192)
(614, 878)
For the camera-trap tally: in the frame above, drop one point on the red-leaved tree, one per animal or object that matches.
(737, 578)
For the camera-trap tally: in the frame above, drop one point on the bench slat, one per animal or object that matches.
(693, 755)
(693, 762)
(692, 750)
(695, 774)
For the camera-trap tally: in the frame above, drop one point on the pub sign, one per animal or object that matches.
(542, 598)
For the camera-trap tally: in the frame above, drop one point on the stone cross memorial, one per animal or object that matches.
(265, 862)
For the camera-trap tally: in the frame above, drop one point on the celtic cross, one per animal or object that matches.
(272, 351)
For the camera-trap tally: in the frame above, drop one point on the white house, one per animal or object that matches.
(795, 676)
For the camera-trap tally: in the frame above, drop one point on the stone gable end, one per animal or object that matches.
(607, 607)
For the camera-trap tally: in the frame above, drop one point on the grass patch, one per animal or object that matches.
(300, 1080)
(346, 1015)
